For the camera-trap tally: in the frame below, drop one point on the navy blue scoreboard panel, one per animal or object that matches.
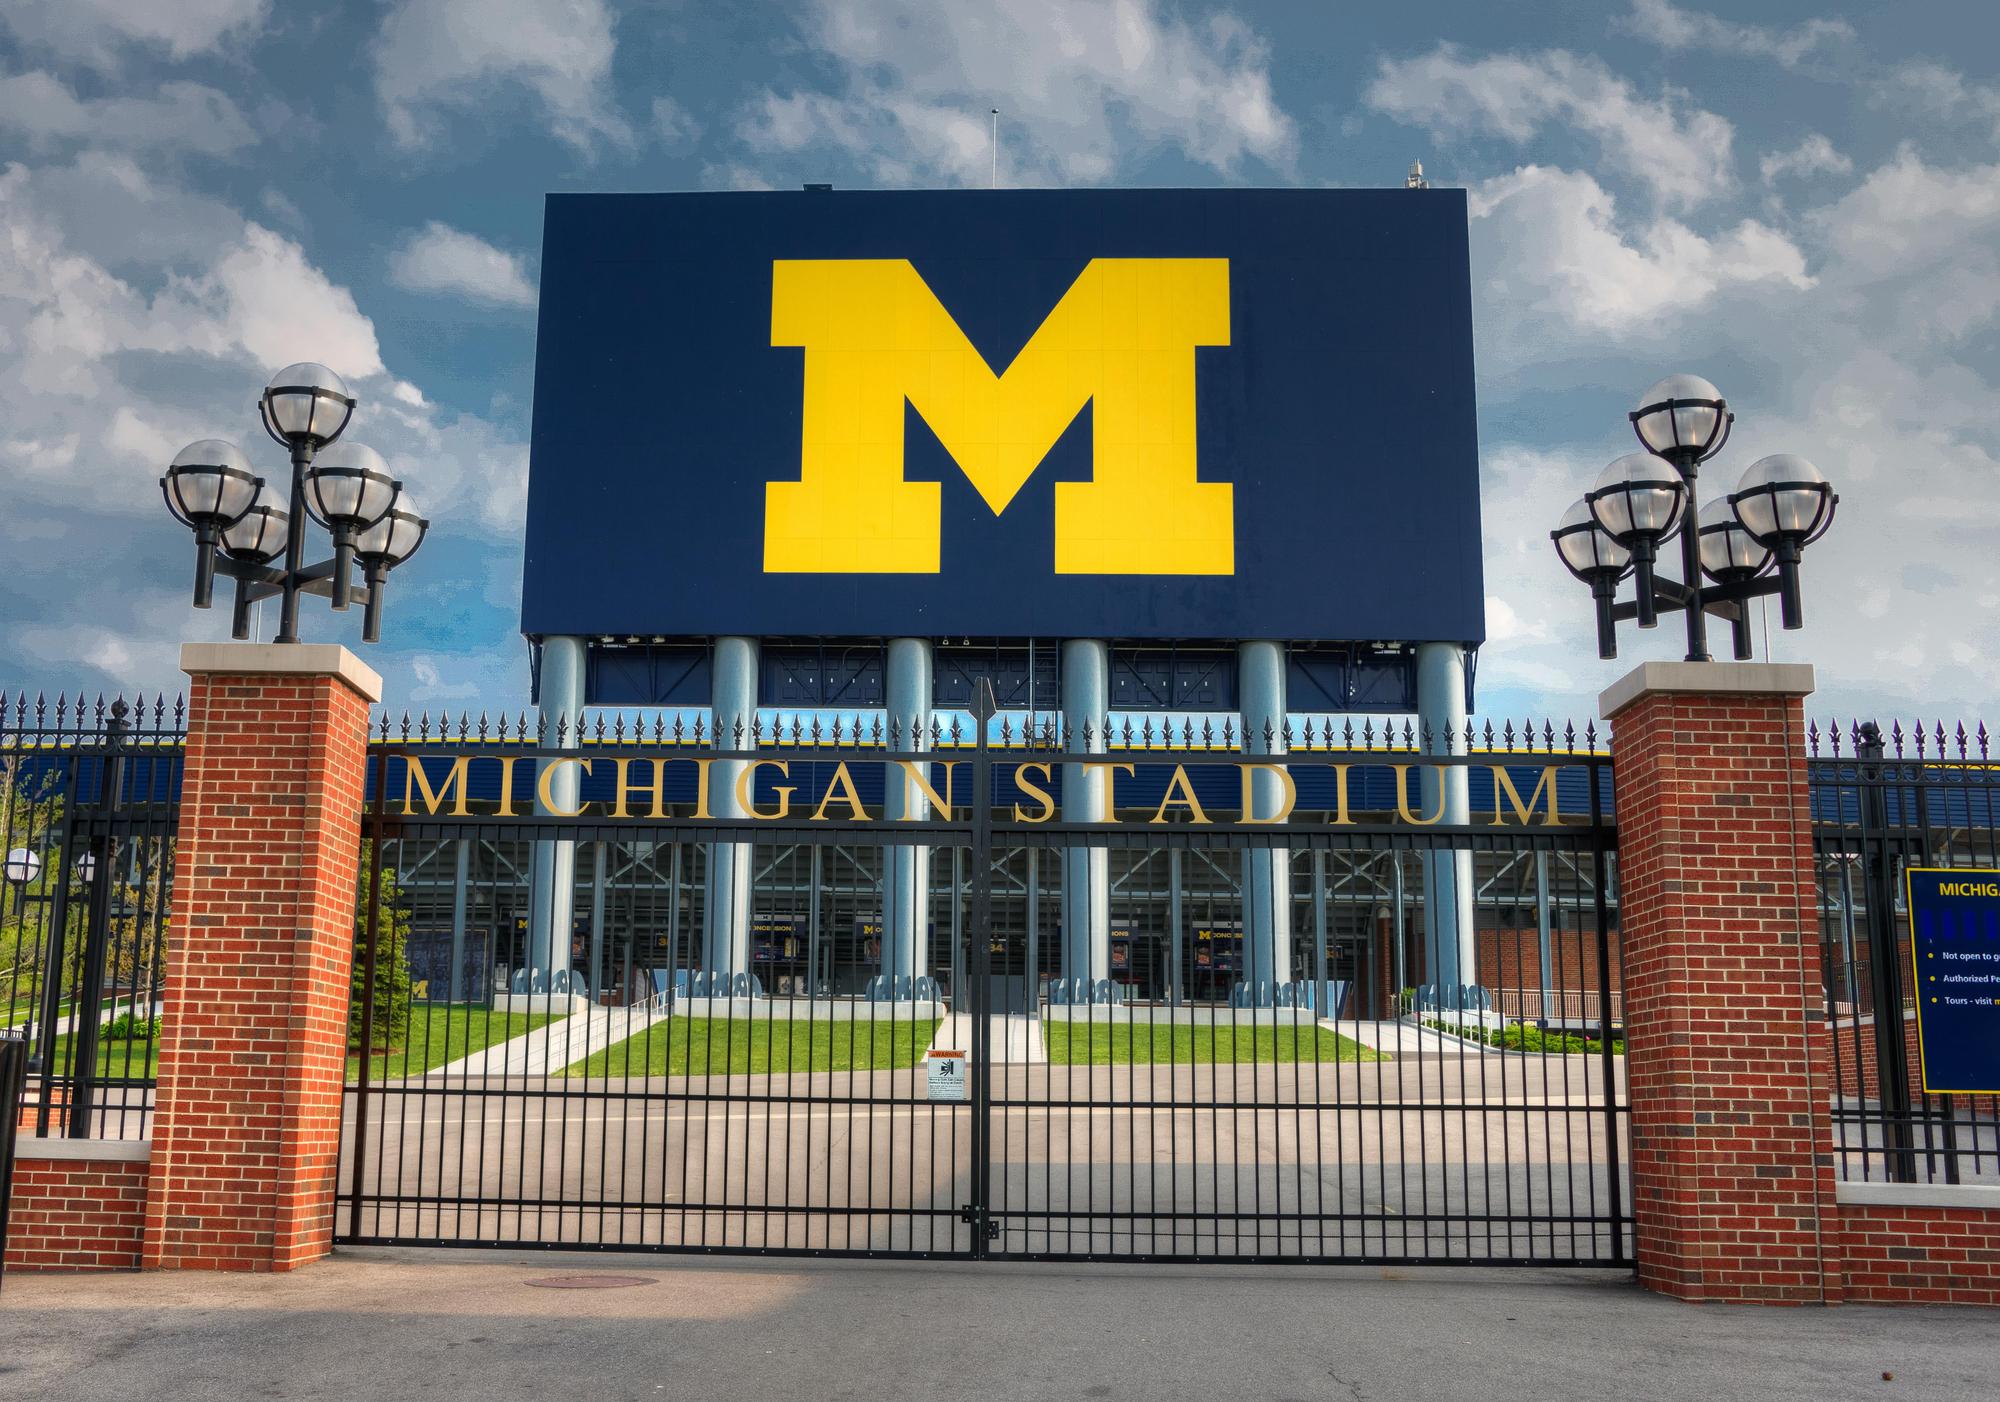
(1955, 952)
(1140, 414)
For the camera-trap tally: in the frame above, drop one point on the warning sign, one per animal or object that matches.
(949, 1072)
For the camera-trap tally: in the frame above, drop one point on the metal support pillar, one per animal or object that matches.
(552, 874)
(906, 869)
(1086, 702)
(1267, 872)
(1448, 890)
(733, 702)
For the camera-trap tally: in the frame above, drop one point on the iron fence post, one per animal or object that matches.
(1600, 875)
(373, 833)
(13, 1076)
(86, 1012)
(1892, 1079)
(982, 959)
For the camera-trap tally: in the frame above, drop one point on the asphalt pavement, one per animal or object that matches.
(371, 1324)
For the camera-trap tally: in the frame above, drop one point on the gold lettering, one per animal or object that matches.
(1340, 815)
(841, 787)
(1503, 784)
(545, 782)
(434, 799)
(1179, 784)
(1403, 797)
(1036, 792)
(507, 763)
(701, 788)
(1248, 806)
(746, 780)
(658, 788)
(1110, 786)
(917, 774)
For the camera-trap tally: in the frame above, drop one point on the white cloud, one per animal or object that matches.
(1884, 376)
(1671, 27)
(1079, 85)
(116, 349)
(44, 112)
(1549, 248)
(1813, 156)
(94, 32)
(1680, 152)
(672, 123)
(433, 54)
(1931, 90)
(443, 260)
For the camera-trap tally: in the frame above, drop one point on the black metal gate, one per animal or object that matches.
(88, 802)
(1313, 1093)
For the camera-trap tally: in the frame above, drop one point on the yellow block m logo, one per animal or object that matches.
(1122, 339)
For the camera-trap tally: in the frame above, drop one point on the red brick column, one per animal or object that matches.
(1725, 1014)
(253, 1048)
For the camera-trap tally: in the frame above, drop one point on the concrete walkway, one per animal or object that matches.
(447, 1325)
(554, 1045)
(1015, 1038)
(1404, 1038)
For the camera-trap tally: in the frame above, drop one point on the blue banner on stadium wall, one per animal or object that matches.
(1123, 413)
(1955, 953)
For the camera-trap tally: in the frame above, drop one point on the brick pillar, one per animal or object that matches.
(253, 1047)
(1725, 1014)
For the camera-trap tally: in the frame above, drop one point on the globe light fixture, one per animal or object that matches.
(1589, 553)
(348, 489)
(84, 868)
(1642, 500)
(385, 544)
(1784, 503)
(1638, 501)
(24, 864)
(209, 486)
(242, 530)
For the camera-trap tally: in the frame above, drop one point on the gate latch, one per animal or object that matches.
(969, 1215)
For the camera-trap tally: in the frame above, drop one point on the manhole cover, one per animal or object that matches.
(589, 1282)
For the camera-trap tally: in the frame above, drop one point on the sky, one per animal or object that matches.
(1800, 202)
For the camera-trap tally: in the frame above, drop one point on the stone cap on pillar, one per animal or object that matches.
(282, 660)
(1708, 679)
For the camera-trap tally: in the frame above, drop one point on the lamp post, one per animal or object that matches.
(1643, 500)
(346, 487)
(23, 865)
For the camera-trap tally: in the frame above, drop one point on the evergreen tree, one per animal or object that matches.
(392, 962)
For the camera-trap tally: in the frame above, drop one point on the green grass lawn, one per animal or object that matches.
(437, 1035)
(702, 1046)
(441, 1033)
(1127, 1043)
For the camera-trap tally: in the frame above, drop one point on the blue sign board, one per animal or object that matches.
(1101, 413)
(1955, 951)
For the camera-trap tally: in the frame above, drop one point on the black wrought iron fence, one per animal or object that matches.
(1264, 1058)
(1883, 804)
(88, 797)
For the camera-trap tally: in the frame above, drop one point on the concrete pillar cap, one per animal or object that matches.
(282, 660)
(1706, 678)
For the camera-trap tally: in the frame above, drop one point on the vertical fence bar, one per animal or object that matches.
(1884, 964)
(1600, 870)
(374, 834)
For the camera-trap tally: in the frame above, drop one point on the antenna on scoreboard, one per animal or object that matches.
(993, 176)
(1415, 179)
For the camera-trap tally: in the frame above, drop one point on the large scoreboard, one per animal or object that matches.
(1139, 414)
